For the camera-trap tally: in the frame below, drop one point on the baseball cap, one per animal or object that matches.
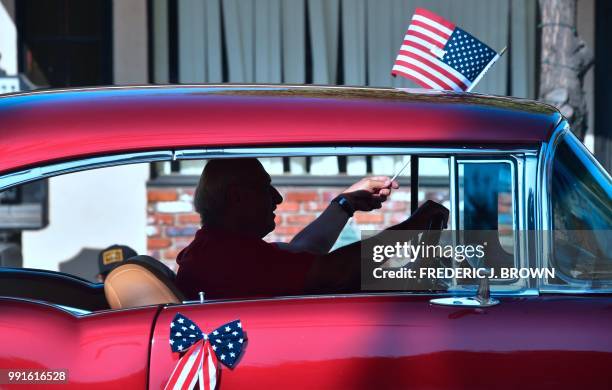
(113, 256)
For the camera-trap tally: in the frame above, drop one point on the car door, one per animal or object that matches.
(404, 340)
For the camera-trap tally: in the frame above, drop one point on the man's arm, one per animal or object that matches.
(340, 270)
(320, 235)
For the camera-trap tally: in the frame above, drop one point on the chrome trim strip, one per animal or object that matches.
(453, 195)
(27, 175)
(544, 174)
(407, 294)
(74, 310)
(207, 153)
(543, 215)
(521, 214)
(530, 211)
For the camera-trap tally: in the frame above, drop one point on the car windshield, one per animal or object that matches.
(582, 219)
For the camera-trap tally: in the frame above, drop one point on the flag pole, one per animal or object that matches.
(489, 65)
(401, 170)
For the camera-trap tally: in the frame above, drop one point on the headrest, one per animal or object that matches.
(153, 265)
(141, 281)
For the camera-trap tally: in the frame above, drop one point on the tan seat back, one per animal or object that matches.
(140, 283)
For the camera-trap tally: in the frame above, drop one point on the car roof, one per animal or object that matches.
(53, 125)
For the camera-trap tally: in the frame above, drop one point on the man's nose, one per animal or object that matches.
(276, 196)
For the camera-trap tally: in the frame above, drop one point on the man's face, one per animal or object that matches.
(256, 201)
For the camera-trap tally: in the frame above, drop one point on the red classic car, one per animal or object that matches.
(548, 332)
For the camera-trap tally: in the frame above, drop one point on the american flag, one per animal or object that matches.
(437, 54)
(203, 352)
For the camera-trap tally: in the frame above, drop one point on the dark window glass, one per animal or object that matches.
(65, 42)
(581, 195)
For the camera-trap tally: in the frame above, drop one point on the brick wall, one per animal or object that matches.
(172, 222)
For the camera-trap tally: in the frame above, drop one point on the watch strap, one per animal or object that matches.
(344, 203)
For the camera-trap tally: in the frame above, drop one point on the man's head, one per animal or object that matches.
(237, 194)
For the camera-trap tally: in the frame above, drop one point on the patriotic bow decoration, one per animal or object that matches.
(203, 352)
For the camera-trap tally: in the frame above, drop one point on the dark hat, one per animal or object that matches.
(113, 256)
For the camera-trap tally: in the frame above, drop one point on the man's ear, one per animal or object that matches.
(234, 195)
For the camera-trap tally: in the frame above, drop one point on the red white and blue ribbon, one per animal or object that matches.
(203, 352)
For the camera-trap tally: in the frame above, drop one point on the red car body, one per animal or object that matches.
(363, 341)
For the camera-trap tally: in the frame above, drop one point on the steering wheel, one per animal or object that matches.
(430, 236)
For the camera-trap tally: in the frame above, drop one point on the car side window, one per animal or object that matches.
(486, 208)
(581, 200)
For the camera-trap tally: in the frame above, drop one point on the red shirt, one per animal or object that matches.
(225, 265)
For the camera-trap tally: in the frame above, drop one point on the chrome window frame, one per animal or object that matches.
(519, 188)
(17, 177)
(544, 225)
(12, 179)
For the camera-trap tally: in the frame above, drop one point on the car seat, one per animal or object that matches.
(141, 281)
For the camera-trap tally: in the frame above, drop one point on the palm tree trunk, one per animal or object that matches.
(565, 59)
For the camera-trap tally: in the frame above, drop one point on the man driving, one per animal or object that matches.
(228, 257)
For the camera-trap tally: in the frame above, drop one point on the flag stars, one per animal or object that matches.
(181, 320)
(232, 354)
(227, 328)
(230, 345)
(222, 357)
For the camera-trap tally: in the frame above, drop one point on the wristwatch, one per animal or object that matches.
(345, 204)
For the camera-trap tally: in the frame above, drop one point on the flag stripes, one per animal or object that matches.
(429, 59)
(434, 18)
(435, 72)
(421, 20)
(184, 374)
(424, 33)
